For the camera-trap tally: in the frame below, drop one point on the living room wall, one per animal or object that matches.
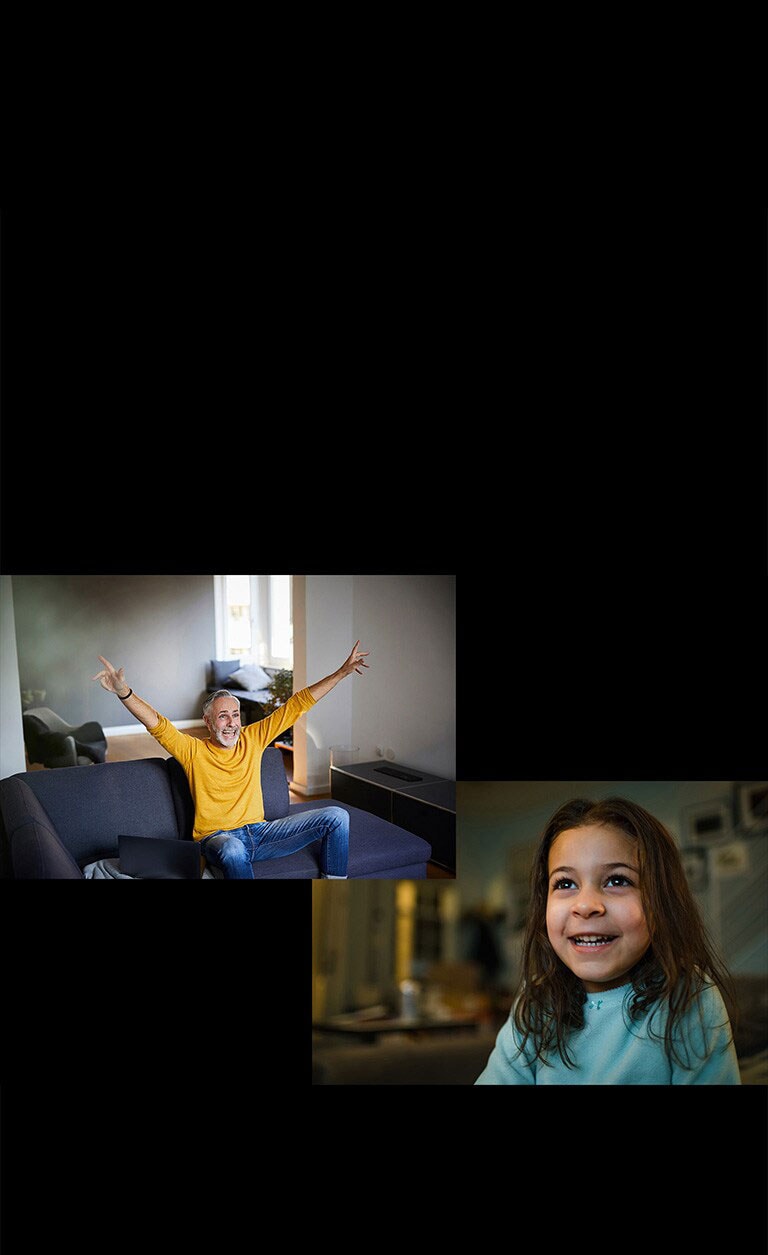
(410, 622)
(160, 627)
(405, 704)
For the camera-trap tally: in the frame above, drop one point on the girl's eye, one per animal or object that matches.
(564, 882)
(617, 881)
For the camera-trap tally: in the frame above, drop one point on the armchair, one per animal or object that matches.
(54, 743)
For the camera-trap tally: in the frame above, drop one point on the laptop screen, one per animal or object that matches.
(155, 858)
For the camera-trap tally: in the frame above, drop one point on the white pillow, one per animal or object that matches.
(251, 678)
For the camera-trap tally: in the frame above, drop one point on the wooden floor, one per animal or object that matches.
(121, 749)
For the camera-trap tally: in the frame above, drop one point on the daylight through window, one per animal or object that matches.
(254, 619)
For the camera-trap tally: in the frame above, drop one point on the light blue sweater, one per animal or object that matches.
(609, 1052)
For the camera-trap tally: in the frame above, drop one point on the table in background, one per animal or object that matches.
(370, 1030)
(415, 800)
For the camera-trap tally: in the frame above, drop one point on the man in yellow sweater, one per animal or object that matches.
(224, 774)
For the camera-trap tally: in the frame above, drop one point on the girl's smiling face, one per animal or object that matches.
(595, 918)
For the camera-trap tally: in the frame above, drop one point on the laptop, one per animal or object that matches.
(155, 858)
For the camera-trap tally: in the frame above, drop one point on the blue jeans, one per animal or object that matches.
(234, 850)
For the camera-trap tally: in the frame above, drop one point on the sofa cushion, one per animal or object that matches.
(221, 669)
(413, 871)
(299, 866)
(183, 805)
(252, 678)
(375, 846)
(274, 784)
(90, 806)
(377, 850)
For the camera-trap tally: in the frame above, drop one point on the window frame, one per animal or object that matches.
(261, 622)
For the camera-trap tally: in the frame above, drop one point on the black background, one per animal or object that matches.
(568, 413)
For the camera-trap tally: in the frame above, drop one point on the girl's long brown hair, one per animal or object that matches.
(679, 962)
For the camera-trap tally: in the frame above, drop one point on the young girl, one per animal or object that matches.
(619, 983)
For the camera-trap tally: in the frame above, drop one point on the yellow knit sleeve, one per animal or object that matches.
(284, 717)
(178, 744)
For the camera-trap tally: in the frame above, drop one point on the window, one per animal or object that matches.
(280, 620)
(254, 619)
(238, 609)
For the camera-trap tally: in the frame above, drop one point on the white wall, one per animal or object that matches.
(11, 728)
(404, 705)
(321, 644)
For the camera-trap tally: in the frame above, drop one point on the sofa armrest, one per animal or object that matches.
(38, 854)
(35, 849)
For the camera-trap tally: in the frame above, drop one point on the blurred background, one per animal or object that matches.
(412, 979)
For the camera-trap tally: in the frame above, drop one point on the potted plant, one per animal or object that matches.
(280, 688)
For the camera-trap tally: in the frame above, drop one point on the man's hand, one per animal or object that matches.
(114, 682)
(110, 679)
(355, 661)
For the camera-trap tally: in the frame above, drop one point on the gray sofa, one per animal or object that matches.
(55, 823)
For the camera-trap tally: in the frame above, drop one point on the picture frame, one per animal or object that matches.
(730, 860)
(707, 823)
(750, 806)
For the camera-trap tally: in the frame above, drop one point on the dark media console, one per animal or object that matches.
(414, 800)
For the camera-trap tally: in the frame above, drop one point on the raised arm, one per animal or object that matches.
(353, 663)
(114, 682)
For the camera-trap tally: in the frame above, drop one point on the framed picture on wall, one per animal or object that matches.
(731, 859)
(708, 822)
(750, 805)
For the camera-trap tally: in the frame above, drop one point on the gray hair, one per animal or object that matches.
(219, 693)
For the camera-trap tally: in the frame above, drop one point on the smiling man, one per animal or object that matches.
(224, 775)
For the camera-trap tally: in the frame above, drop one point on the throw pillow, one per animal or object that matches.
(252, 678)
(221, 669)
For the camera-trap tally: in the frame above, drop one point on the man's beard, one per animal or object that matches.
(227, 741)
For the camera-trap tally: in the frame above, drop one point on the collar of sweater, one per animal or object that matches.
(608, 998)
